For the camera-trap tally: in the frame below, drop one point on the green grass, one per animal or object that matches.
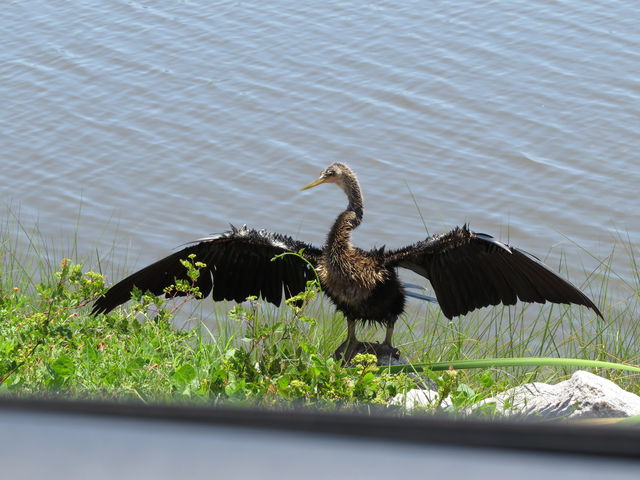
(254, 353)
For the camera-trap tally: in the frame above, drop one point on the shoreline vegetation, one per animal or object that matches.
(277, 357)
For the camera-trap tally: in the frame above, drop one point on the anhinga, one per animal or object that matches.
(467, 270)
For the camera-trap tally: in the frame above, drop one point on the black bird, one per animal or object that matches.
(467, 270)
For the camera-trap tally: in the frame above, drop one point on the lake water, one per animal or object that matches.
(148, 124)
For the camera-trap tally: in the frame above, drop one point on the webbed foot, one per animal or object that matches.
(382, 351)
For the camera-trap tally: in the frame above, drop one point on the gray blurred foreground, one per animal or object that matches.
(64, 445)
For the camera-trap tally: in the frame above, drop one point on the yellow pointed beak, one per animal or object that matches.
(315, 183)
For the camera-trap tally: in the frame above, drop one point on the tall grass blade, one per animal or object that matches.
(510, 362)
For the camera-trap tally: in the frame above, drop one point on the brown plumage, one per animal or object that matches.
(467, 270)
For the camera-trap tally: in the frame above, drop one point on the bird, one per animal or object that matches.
(467, 270)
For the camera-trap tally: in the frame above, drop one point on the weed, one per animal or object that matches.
(275, 357)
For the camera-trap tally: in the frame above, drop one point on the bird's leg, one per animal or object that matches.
(387, 338)
(351, 346)
(347, 349)
(385, 350)
(351, 331)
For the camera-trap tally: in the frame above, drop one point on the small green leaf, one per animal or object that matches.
(465, 390)
(63, 366)
(184, 374)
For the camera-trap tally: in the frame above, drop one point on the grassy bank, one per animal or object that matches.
(252, 353)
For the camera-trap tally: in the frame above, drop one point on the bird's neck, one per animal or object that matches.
(339, 238)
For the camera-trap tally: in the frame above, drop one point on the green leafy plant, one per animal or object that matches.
(260, 355)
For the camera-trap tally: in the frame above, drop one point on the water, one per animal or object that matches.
(154, 123)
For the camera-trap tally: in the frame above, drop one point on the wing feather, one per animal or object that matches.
(470, 270)
(238, 265)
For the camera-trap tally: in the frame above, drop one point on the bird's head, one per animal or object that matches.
(337, 173)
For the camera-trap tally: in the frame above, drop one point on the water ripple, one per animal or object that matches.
(177, 118)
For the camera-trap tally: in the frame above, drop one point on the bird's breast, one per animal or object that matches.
(351, 285)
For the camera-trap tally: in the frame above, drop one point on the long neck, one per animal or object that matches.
(339, 238)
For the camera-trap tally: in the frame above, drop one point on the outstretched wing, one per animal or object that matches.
(470, 270)
(238, 265)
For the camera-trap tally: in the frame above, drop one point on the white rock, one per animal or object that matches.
(584, 395)
(419, 397)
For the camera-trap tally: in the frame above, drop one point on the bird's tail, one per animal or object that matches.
(409, 286)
